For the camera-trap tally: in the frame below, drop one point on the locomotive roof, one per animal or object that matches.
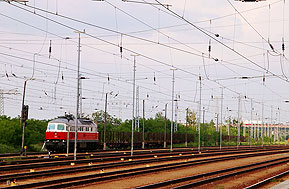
(81, 121)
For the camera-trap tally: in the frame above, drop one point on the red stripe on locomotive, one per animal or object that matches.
(63, 136)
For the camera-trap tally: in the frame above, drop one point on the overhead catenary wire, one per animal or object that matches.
(223, 86)
(100, 27)
(267, 41)
(205, 33)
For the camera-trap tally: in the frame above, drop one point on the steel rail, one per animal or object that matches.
(84, 156)
(97, 167)
(265, 181)
(35, 155)
(217, 175)
(154, 149)
(103, 155)
(58, 183)
(91, 167)
(56, 162)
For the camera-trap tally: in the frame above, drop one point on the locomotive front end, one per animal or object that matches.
(56, 136)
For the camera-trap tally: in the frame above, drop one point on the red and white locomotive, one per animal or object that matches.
(62, 130)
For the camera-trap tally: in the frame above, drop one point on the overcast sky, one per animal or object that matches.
(240, 35)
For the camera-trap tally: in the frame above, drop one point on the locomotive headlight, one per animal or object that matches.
(55, 133)
(47, 140)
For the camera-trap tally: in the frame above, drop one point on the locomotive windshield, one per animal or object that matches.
(60, 127)
(51, 126)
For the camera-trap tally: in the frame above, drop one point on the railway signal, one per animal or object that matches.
(24, 115)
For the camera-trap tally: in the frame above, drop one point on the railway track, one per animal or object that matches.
(37, 155)
(60, 183)
(267, 180)
(56, 157)
(41, 163)
(205, 178)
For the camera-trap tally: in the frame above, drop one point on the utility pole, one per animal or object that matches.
(258, 128)
(267, 133)
(80, 96)
(172, 122)
(217, 127)
(22, 121)
(67, 141)
(239, 121)
(104, 126)
(143, 123)
(165, 129)
(186, 143)
(77, 98)
(133, 103)
(262, 127)
(217, 115)
(176, 114)
(222, 98)
(199, 122)
(1, 102)
(271, 125)
(204, 116)
(244, 131)
(251, 129)
(137, 109)
(255, 128)
(278, 128)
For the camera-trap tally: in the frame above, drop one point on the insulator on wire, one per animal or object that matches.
(50, 49)
(283, 45)
(271, 46)
(108, 78)
(210, 48)
(120, 49)
(264, 79)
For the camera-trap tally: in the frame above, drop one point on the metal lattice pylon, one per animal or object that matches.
(1, 102)
(137, 109)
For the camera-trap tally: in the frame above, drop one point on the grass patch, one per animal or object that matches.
(276, 180)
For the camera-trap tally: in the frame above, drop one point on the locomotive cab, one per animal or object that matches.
(60, 133)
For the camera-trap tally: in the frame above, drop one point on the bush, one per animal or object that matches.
(4, 148)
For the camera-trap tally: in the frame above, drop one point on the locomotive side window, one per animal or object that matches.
(60, 127)
(51, 126)
(87, 128)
